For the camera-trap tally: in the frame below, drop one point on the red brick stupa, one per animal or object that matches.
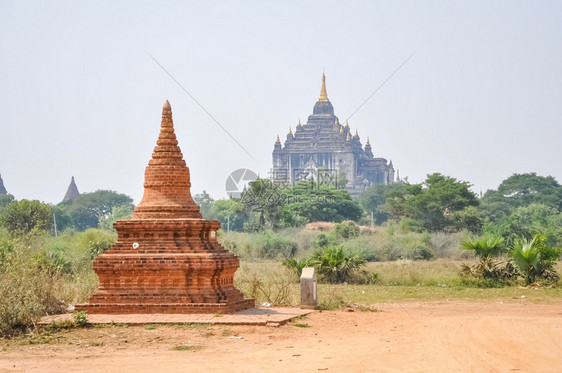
(166, 258)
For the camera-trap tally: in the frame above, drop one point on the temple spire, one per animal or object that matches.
(72, 191)
(2, 188)
(166, 178)
(347, 139)
(277, 140)
(368, 142)
(323, 94)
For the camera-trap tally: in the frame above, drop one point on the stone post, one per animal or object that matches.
(309, 300)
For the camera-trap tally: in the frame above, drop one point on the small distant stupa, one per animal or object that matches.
(72, 191)
(2, 188)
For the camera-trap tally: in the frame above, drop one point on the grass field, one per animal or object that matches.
(436, 280)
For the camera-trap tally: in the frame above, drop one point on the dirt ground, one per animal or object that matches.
(425, 337)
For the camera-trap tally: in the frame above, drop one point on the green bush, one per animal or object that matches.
(335, 265)
(347, 230)
(535, 259)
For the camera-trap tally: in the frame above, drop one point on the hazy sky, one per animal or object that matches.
(79, 96)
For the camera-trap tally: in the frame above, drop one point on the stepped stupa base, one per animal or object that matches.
(167, 308)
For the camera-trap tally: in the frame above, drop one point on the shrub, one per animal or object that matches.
(487, 249)
(80, 318)
(347, 230)
(272, 283)
(534, 258)
(335, 265)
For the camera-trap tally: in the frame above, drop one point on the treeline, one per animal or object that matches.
(99, 209)
(523, 205)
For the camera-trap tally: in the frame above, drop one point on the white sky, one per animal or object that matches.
(79, 96)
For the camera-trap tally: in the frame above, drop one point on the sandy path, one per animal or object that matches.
(431, 337)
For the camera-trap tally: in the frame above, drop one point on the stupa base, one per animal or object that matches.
(175, 308)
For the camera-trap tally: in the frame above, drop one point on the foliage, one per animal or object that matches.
(335, 265)
(262, 245)
(525, 221)
(205, 203)
(89, 209)
(487, 249)
(296, 265)
(525, 189)
(469, 218)
(534, 258)
(123, 212)
(24, 217)
(5, 200)
(269, 206)
(374, 199)
(346, 230)
(228, 213)
(269, 283)
(80, 318)
(484, 247)
(431, 203)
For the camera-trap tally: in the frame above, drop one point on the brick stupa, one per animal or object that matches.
(166, 258)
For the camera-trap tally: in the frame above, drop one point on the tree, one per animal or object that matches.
(524, 189)
(486, 249)
(373, 199)
(269, 206)
(526, 221)
(5, 200)
(313, 203)
(23, 217)
(88, 209)
(227, 212)
(431, 203)
(123, 212)
(205, 203)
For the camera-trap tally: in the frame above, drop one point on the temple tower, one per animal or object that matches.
(2, 188)
(166, 258)
(324, 150)
(72, 191)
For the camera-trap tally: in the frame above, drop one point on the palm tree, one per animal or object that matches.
(487, 249)
(336, 265)
(526, 256)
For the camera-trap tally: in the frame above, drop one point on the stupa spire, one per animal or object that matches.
(2, 188)
(72, 191)
(323, 94)
(167, 186)
(368, 142)
(277, 140)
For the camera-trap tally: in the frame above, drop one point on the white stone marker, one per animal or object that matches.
(308, 288)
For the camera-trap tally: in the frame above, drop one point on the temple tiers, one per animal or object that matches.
(166, 258)
(323, 144)
(72, 191)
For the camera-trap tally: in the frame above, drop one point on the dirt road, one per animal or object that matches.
(427, 337)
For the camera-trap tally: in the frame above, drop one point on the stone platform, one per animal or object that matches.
(252, 316)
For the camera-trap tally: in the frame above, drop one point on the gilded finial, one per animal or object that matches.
(336, 122)
(290, 131)
(341, 129)
(356, 134)
(347, 139)
(300, 125)
(323, 94)
(346, 124)
(277, 140)
(368, 142)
